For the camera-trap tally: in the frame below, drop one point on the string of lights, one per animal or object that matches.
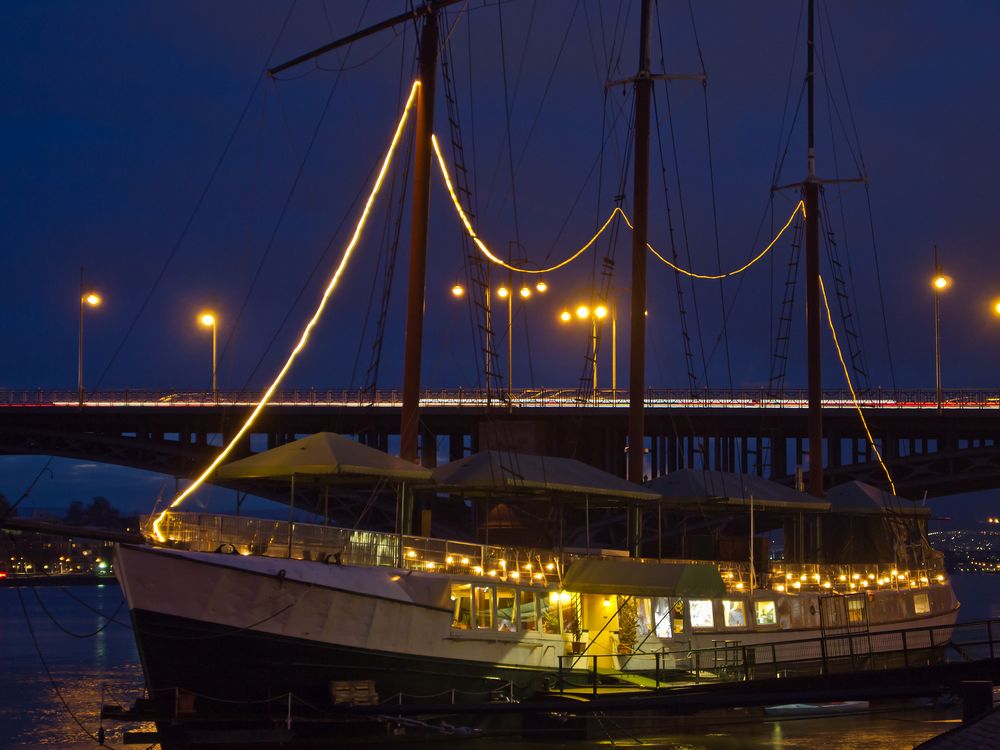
(617, 211)
(850, 386)
(304, 338)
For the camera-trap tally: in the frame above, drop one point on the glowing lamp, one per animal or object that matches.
(565, 317)
(600, 311)
(525, 292)
(582, 312)
(458, 290)
(503, 292)
(941, 282)
(207, 319)
(541, 287)
(996, 307)
(92, 298)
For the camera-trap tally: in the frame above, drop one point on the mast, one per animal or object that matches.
(418, 240)
(811, 190)
(640, 208)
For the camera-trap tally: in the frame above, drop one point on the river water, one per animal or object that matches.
(52, 699)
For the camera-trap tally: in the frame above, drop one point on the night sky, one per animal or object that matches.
(115, 116)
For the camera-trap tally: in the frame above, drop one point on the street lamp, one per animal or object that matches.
(939, 284)
(87, 299)
(598, 312)
(209, 320)
(506, 293)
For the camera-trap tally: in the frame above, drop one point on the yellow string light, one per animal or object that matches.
(850, 386)
(800, 206)
(309, 326)
(617, 211)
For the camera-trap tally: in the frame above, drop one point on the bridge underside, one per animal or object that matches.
(926, 452)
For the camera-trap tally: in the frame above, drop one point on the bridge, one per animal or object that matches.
(928, 451)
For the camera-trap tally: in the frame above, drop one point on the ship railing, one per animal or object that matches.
(209, 532)
(730, 660)
(852, 578)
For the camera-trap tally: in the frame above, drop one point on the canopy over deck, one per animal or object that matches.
(491, 473)
(858, 497)
(325, 454)
(632, 577)
(726, 489)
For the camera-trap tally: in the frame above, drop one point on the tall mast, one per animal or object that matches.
(811, 190)
(418, 240)
(640, 208)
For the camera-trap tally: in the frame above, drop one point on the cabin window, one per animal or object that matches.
(678, 616)
(766, 613)
(701, 613)
(527, 614)
(506, 610)
(662, 615)
(461, 605)
(855, 611)
(484, 606)
(734, 613)
(643, 615)
(548, 612)
(569, 606)
(921, 604)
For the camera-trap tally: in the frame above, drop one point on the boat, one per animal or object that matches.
(233, 612)
(551, 578)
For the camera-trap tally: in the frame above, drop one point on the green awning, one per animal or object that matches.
(603, 576)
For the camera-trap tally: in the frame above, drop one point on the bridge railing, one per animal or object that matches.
(742, 398)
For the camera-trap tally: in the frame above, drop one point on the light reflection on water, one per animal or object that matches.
(32, 716)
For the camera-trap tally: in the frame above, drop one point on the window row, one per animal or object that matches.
(509, 610)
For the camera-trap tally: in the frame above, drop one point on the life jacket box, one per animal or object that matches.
(354, 692)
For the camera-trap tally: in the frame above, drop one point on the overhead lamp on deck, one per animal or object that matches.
(541, 287)
(582, 312)
(565, 316)
(458, 290)
(503, 292)
(525, 292)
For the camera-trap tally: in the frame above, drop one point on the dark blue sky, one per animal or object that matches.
(115, 114)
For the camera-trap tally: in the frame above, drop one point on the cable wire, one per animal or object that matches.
(850, 387)
(303, 340)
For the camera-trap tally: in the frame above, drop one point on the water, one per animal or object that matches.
(32, 716)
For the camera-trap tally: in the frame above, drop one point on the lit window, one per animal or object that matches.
(461, 603)
(528, 614)
(855, 610)
(548, 612)
(506, 610)
(484, 607)
(734, 613)
(662, 609)
(921, 604)
(701, 613)
(766, 613)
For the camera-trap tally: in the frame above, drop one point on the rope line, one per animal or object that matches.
(850, 386)
(616, 212)
(304, 338)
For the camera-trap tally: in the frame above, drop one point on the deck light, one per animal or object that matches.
(564, 597)
(797, 585)
(779, 587)
(503, 292)
(478, 570)
(527, 566)
(515, 575)
(941, 282)
(429, 565)
(871, 576)
(539, 576)
(525, 292)
(606, 602)
(411, 554)
(449, 559)
(827, 584)
(465, 561)
(493, 574)
(565, 316)
(739, 586)
(600, 311)
(842, 577)
(458, 290)
(940, 578)
(549, 566)
(582, 312)
(541, 287)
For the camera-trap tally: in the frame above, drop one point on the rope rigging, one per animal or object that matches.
(617, 212)
(304, 338)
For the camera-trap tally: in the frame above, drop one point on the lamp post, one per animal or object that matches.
(506, 293)
(87, 299)
(599, 312)
(209, 320)
(939, 283)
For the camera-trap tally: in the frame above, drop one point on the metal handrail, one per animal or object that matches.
(742, 398)
(736, 662)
